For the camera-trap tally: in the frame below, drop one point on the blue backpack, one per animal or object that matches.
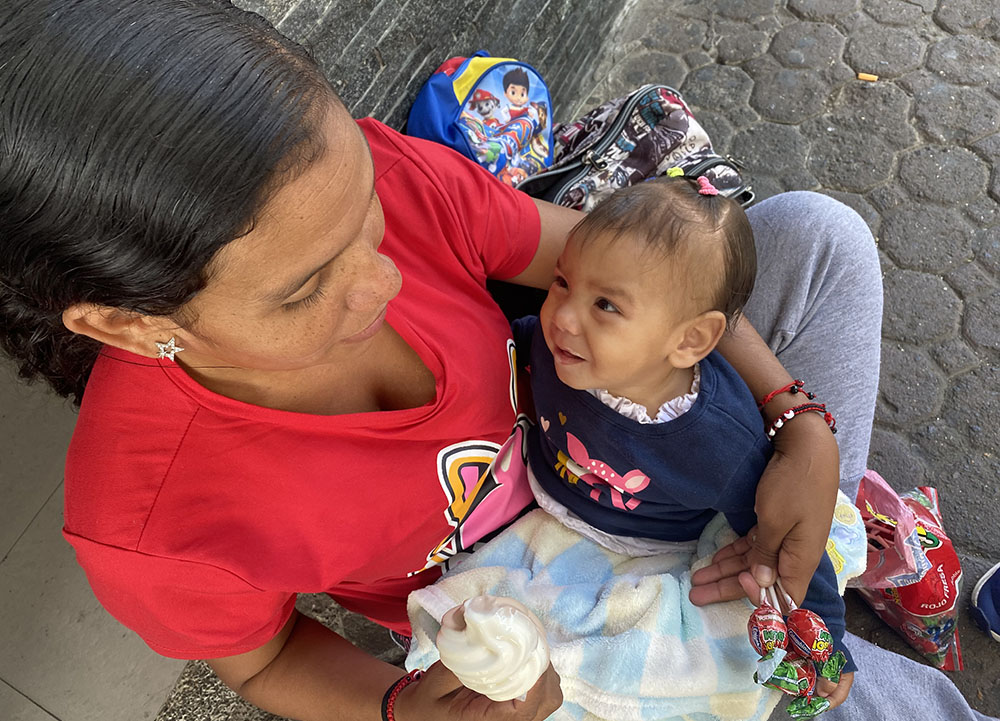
(496, 111)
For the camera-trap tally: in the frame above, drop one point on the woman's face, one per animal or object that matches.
(307, 286)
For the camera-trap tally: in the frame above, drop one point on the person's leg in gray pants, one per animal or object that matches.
(818, 305)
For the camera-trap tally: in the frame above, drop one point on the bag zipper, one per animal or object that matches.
(744, 190)
(623, 115)
(712, 161)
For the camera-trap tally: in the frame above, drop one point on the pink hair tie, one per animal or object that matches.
(705, 186)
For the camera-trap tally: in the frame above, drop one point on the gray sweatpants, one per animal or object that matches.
(818, 305)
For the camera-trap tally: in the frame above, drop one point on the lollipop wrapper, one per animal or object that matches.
(796, 677)
(925, 612)
(808, 635)
(767, 630)
(833, 666)
(803, 707)
(769, 664)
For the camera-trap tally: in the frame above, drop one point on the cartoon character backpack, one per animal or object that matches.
(496, 111)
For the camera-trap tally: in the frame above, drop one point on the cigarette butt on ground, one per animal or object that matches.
(868, 77)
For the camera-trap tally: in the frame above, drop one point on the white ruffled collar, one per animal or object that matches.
(674, 408)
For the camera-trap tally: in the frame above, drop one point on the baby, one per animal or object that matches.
(644, 431)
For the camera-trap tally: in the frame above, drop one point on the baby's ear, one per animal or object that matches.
(701, 334)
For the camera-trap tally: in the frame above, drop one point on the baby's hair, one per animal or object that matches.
(517, 76)
(670, 215)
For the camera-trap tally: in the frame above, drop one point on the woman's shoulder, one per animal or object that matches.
(394, 151)
(132, 422)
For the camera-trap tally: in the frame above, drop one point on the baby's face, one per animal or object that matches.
(614, 312)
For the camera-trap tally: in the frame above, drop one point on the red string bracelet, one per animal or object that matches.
(389, 700)
(798, 410)
(794, 387)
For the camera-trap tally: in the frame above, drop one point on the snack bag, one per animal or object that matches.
(896, 556)
(925, 612)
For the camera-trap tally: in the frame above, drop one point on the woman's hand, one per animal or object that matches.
(795, 501)
(836, 693)
(440, 696)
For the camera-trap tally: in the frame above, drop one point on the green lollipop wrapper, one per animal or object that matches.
(833, 666)
(796, 677)
(807, 707)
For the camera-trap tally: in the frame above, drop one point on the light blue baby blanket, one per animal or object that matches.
(625, 639)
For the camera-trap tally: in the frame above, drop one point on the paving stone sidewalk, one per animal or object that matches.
(775, 82)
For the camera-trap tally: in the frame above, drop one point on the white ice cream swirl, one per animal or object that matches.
(495, 646)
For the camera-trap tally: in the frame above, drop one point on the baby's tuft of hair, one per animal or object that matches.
(670, 216)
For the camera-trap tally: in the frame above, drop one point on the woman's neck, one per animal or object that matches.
(388, 376)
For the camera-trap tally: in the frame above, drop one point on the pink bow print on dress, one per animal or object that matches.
(599, 475)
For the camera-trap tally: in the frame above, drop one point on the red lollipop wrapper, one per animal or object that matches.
(809, 636)
(767, 629)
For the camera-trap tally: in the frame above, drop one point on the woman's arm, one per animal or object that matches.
(556, 222)
(795, 496)
(309, 673)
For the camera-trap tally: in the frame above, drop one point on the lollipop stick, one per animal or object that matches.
(788, 599)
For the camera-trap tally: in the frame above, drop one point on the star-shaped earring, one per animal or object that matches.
(168, 349)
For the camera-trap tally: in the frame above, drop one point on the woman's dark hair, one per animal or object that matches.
(669, 215)
(137, 138)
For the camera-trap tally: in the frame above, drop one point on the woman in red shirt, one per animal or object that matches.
(292, 376)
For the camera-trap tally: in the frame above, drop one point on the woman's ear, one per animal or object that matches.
(701, 335)
(134, 332)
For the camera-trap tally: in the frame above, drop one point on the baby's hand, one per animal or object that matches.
(836, 693)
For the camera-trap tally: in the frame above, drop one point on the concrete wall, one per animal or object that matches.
(377, 53)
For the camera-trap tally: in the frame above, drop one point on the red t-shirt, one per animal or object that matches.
(198, 518)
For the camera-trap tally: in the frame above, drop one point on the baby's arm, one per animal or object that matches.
(823, 597)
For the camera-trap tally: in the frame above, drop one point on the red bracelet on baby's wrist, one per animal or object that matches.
(389, 700)
(794, 387)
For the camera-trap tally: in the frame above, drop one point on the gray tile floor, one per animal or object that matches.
(63, 657)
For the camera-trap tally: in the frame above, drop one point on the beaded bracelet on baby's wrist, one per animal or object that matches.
(389, 700)
(791, 413)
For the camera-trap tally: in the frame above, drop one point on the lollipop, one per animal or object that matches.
(766, 628)
(809, 635)
(495, 646)
(808, 642)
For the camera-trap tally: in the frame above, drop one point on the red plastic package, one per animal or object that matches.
(925, 612)
(895, 554)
